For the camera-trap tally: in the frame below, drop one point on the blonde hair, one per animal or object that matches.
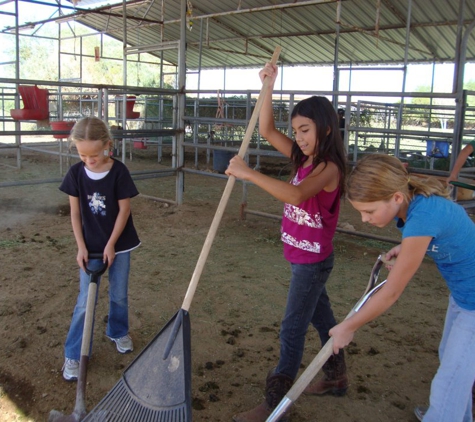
(377, 177)
(90, 129)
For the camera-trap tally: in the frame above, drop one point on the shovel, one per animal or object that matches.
(327, 350)
(80, 408)
(156, 386)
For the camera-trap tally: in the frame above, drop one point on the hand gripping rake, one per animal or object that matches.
(327, 350)
(156, 387)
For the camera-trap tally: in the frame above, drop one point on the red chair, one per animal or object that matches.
(35, 104)
(129, 108)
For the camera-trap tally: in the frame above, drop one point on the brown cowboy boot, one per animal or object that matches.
(277, 386)
(334, 380)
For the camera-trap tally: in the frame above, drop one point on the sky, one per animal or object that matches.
(321, 79)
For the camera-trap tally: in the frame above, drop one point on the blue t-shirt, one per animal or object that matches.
(99, 204)
(453, 242)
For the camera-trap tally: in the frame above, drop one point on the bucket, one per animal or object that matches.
(437, 149)
(62, 125)
(221, 160)
(140, 145)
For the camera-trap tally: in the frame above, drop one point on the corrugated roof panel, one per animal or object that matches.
(307, 33)
(442, 40)
(434, 11)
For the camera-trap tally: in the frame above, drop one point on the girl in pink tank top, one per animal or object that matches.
(311, 207)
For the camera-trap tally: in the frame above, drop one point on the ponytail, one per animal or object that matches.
(427, 186)
(377, 177)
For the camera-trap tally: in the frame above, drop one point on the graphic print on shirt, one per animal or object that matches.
(301, 217)
(304, 245)
(97, 203)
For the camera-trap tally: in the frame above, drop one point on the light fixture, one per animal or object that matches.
(25, 27)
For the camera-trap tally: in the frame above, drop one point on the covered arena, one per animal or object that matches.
(129, 63)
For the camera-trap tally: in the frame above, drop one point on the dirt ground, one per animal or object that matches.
(235, 313)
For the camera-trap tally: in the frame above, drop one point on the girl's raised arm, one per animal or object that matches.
(462, 157)
(267, 127)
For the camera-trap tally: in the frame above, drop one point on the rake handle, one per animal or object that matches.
(227, 193)
(307, 376)
(313, 368)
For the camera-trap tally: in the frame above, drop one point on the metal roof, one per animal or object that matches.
(244, 33)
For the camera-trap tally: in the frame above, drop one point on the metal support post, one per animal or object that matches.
(181, 104)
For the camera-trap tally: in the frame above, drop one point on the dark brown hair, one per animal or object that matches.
(329, 145)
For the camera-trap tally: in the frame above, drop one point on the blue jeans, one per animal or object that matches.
(451, 388)
(118, 321)
(307, 302)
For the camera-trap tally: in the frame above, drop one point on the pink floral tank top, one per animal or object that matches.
(308, 228)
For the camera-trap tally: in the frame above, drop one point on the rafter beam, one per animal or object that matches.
(257, 9)
(83, 12)
(347, 29)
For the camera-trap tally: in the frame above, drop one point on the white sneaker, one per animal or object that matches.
(420, 411)
(70, 369)
(123, 344)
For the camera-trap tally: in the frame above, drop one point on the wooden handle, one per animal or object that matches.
(326, 351)
(227, 193)
(257, 109)
(89, 319)
(392, 261)
(312, 369)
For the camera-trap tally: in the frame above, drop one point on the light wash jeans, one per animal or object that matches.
(307, 302)
(451, 388)
(118, 321)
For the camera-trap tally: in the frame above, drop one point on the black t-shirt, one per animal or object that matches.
(99, 204)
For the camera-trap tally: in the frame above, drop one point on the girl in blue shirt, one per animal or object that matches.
(381, 189)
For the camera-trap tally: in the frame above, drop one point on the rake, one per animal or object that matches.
(156, 387)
